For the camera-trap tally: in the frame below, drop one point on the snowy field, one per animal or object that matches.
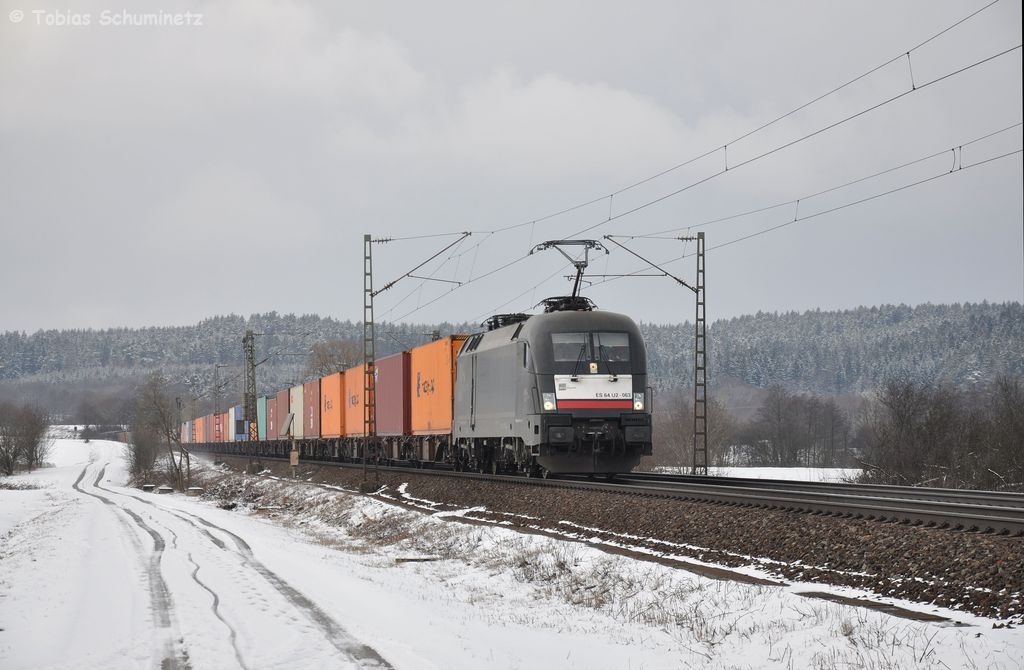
(95, 575)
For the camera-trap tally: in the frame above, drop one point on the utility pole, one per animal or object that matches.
(183, 453)
(216, 399)
(369, 354)
(700, 405)
(249, 394)
(177, 404)
(700, 370)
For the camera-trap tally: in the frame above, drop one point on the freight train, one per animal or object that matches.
(564, 391)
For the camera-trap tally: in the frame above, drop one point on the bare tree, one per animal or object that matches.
(333, 356)
(797, 429)
(721, 427)
(33, 426)
(673, 431)
(926, 435)
(142, 450)
(1006, 407)
(156, 415)
(10, 448)
(23, 437)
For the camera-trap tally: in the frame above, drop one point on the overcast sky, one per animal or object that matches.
(157, 175)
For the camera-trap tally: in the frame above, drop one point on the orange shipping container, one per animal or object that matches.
(332, 405)
(354, 421)
(431, 384)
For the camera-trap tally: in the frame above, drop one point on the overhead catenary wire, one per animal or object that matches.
(642, 206)
(798, 140)
(749, 133)
(703, 180)
(831, 210)
(661, 234)
(723, 147)
(430, 277)
(867, 199)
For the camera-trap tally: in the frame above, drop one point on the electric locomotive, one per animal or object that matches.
(564, 391)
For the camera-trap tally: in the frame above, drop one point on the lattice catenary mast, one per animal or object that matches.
(700, 369)
(369, 353)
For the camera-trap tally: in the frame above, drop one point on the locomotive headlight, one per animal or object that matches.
(549, 402)
(638, 401)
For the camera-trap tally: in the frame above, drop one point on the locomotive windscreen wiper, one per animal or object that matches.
(600, 356)
(579, 359)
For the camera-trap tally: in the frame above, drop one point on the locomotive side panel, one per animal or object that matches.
(491, 380)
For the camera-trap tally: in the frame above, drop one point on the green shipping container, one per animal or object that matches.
(261, 417)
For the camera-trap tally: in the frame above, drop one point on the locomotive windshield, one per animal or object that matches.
(608, 348)
(612, 347)
(568, 347)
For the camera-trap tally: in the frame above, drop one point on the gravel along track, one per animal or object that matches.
(979, 573)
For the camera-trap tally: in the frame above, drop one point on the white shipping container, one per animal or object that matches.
(295, 396)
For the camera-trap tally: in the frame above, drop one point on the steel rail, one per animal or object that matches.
(1004, 520)
(964, 496)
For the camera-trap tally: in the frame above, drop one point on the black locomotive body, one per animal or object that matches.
(559, 392)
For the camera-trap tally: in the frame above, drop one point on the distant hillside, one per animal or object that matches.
(853, 350)
(820, 352)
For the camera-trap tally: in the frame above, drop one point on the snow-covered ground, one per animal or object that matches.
(794, 474)
(96, 575)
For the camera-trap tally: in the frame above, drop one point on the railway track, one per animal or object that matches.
(975, 511)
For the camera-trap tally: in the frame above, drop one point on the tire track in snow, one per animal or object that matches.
(340, 639)
(232, 633)
(215, 607)
(159, 595)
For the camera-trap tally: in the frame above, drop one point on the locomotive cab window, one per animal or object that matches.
(568, 347)
(612, 347)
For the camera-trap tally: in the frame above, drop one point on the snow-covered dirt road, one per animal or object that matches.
(118, 580)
